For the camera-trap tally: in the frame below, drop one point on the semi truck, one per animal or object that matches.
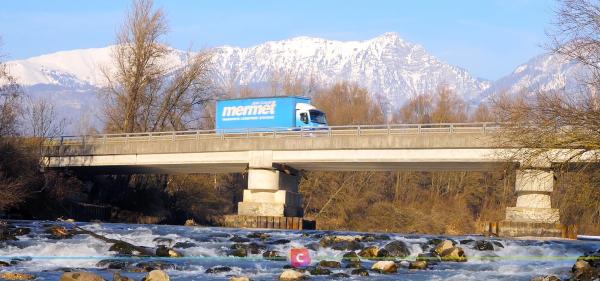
(267, 114)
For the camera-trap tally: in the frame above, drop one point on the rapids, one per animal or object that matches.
(206, 247)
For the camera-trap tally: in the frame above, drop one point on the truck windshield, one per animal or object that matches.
(317, 117)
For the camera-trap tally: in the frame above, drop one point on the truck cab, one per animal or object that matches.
(309, 116)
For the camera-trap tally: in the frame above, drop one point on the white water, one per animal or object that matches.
(518, 260)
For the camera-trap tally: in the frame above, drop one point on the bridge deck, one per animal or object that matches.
(389, 147)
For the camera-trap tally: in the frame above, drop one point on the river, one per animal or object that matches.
(207, 247)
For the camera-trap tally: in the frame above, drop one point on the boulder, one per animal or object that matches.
(123, 248)
(583, 270)
(374, 237)
(184, 245)
(385, 267)
(417, 265)
(456, 254)
(80, 276)
(328, 241)
(190, 222)
(218, 269)
(350, 256)
(339, 275)
(319, 271)
(156, 275)
(259, 235)
(360, 272)
(5, 234)
(118, 277)
(274, 256)
(430, 258)
(238, 239)
(369, 252)
(330, 264)
(16, 276)
(58, 232)
(443, 246)
(19, 231)
(483, 245)
(291, 275)
(114, 263)
(279, 242)
(397, 249)
(4, 264)
(163, 251)
(242, 250)
(239, 278)
(498, 244)
(354, 264)
(155, 265)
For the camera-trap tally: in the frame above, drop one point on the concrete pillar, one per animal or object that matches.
(271, 191)
(533, 198)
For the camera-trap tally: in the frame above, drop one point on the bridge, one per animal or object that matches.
(275, 160)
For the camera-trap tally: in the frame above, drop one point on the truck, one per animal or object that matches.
(267, 114)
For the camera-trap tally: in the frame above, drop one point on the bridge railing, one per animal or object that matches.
(350, 130)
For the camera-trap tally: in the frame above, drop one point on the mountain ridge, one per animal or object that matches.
(387, 65)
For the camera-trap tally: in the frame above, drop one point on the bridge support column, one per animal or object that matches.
(533, 214)
(272, 189)
(533, 202)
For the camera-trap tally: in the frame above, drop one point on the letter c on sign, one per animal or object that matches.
(300, 257)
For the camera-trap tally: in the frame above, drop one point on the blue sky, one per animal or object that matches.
(489, 38)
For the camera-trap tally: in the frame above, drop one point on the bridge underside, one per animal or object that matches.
(303, 166)
(317, 160)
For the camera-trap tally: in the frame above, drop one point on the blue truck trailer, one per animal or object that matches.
(266, 114)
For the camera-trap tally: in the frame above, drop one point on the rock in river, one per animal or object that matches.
(156, 275)
(385, 267)
(118, 277)
(483, 245)
(397, 249)
(291, 275)
(218, 269)
(164, 251)
(418, 265)
(331, 264)
(80, 276)
(16, 276)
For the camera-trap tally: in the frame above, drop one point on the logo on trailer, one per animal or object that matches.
(258, 110)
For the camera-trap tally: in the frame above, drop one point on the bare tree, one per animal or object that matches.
(548, 120)
(347, 103)
(144, 93)
(576, 35)
(10, 94)
(42, 121)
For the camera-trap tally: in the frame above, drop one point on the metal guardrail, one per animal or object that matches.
(254, 133)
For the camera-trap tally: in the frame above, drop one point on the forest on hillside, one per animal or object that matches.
(143, 95)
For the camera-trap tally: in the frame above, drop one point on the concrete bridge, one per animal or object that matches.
(275, 160)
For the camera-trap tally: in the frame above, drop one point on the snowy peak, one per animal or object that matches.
(387, 65)
(545, 72)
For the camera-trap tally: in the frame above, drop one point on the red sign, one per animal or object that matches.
(300, 257)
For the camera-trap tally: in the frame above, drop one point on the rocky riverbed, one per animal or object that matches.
(93, 251)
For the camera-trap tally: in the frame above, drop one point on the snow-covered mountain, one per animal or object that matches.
(386, 65)
(545, 72)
